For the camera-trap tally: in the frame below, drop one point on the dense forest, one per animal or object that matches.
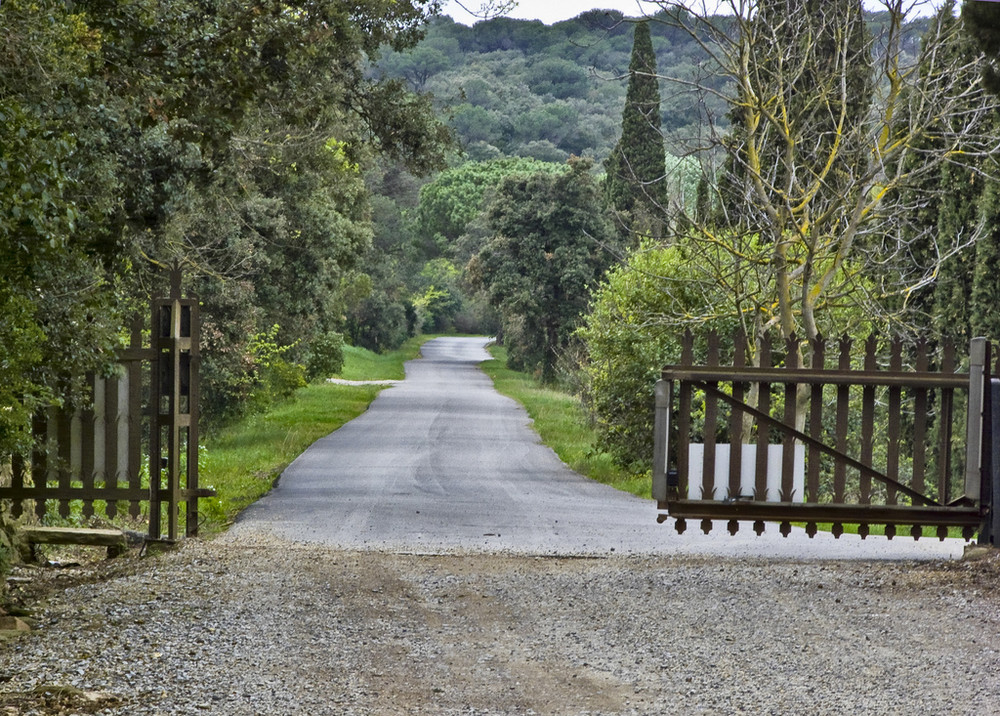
(521, 88)
(329, 172)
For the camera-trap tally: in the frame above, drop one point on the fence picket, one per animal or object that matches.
(96, 453)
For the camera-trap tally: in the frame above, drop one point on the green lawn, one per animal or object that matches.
(561, 421)
(242, 461)
(361, 364)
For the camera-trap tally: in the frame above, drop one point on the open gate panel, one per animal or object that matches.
(856, 439)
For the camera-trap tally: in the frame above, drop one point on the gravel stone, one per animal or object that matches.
(282, 628)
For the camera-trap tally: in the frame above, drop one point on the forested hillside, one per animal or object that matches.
(522, 88)
(515, 87)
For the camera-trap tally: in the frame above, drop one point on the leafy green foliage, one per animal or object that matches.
(326, 356)
(641, 310)
(450, 202)
(380, 322)
(273, 377)
(633, 330)
(58, 321)
(550, 245)
(441, 299)
(227, 136)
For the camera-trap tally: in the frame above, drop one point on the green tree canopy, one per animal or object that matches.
(550, 246)
(455, 197)
(225, 135)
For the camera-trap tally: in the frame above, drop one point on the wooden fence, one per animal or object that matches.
(828, 441)
(137, 440)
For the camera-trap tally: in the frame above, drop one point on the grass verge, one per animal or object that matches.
(241, 462)
(562, 423)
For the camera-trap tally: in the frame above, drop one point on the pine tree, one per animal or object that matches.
(635, 185)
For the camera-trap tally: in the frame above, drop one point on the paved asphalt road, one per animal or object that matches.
(442, 463)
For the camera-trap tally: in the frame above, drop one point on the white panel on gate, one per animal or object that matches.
(748, 466)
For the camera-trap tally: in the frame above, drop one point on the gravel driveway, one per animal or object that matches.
(289, 629)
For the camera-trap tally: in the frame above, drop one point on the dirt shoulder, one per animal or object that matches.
(214, 628)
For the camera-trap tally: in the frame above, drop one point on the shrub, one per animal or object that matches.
(274, 377)
(326, 356)
(638, 316)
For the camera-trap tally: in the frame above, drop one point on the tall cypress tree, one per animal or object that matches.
(944, 202)
(635, 185)
(985, 318)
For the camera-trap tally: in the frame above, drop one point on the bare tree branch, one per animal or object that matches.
(836, 134)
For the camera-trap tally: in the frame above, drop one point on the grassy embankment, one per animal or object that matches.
(242, 461)
(561, 421)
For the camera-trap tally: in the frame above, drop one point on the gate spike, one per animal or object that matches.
(890, 531)
(758, 527)
(734, 527)
(811, 529)
(916, 531)
(942, 532)
(680, 524)
(968, 533)
(785, 529)
(838, 529)
(706, 526)
(864, 530)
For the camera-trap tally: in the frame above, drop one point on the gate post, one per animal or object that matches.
(174, 413)
(990, 528)
(661, 437)
(974, 423)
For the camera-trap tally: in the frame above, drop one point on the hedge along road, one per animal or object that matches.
(443, 463)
